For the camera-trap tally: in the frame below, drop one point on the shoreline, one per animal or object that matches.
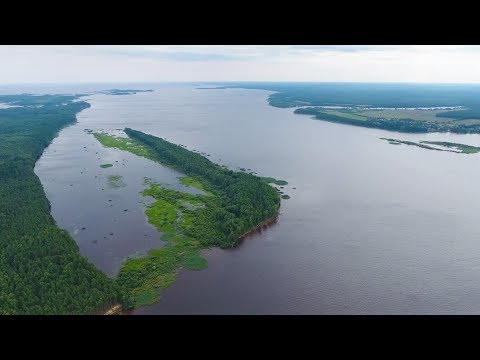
(265, 223)
(116, 309)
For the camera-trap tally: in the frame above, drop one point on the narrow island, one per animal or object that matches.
(104, 166)
(122, 91)
(447, 146)
(230, 206)
(462, 148)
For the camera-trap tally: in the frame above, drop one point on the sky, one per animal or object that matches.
(166, 63)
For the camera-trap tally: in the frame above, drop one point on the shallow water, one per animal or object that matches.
(371, 228)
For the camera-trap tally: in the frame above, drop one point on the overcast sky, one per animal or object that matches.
(142, 63)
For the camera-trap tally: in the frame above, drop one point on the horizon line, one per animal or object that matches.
(239, 81)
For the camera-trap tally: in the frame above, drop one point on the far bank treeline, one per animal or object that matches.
(309, 97)
(246, 200)
(41, 269)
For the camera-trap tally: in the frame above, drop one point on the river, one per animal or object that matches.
(370, 228)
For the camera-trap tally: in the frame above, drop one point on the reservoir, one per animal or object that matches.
(370, 227)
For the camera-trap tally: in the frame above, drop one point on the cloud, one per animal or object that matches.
(157, 63)
(233, 52)
(170, 53)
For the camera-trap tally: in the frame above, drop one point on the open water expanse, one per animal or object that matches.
(371, 228)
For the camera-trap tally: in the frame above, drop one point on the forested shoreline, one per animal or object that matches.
(41, 269)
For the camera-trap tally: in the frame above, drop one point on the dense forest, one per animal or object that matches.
(246, 200)
(41, 269)
(231, 204)
(393, 95)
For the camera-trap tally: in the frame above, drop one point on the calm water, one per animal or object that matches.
(371, 228)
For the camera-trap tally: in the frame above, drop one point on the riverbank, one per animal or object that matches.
(117, 309)
(259, 227)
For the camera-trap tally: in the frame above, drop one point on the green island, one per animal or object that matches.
(232, 205)
(459, 148)
(41, 269)
(411, 108)
(104, 166)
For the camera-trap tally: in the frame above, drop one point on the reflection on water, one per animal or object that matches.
(369, 228)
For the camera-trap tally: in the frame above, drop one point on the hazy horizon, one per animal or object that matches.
(59, 64)
(225, 82)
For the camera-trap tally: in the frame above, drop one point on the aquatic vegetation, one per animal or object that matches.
(104, 166)
(116, 181)
(173, 214)
(145, 278)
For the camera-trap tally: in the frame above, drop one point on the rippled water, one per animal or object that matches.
(370, 227)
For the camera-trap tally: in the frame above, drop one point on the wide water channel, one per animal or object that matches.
(371, 228)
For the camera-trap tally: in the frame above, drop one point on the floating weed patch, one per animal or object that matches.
(116, 181)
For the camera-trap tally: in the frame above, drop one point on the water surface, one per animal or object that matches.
(371, 228)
